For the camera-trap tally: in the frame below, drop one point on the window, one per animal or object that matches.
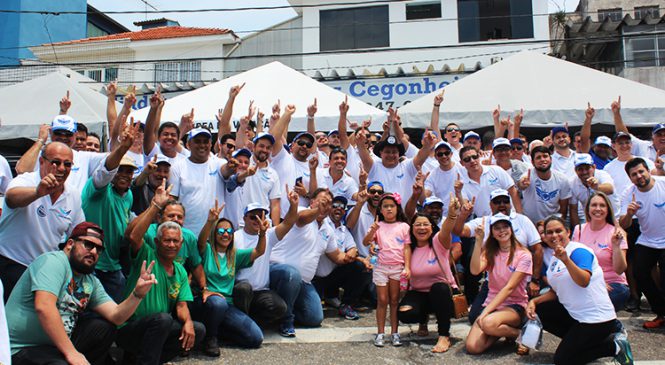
(95, 75)
(95, 31)
(354, 28)
(615, 15)
(482, 20)
(110, 74)
(423, 11)
(178, 71)
(642, 11)
(647, 50)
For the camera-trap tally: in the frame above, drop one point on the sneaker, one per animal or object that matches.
(378, 340)
(396, 340)
(654, 323)
(333, 302)
(633, 305)
(620, 329)
(287, 331)
(211, 347)
(625, 356)
(348, 312)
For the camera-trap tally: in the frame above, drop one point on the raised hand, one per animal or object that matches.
(525, 181)
(375, 226)
(264, 223)
(235, 90)
(313, 162)
(344, 106)
(232, 165)
(251, 110)
(438, 98)
(293, 197)
(496, 113)
(453, 206)
(48, 185)
(590, 111)
(129, 133)
(618, 236)
(367, 123)
(467, 207)
(458, 184)
(65, 104)
(417, 188)
(162, 195)
(616, 105)
(311, 110)
(156, 99)
(560, 253)
(251, 170)
(130, 97)
(44, 131)
(213, 213)
(429, 140)
(112, 88)
(290, 109)
(480, 230)
(592, 183)
(518, 118)
(145, 281)
(362, 196)
(633, 206)
(276, 109)
(362, 176)
(151, 166)
(187, 122)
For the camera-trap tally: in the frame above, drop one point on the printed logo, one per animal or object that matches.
(62, 213)
(432, 261)
(41, 211)
(493, 181)
(399, 240)
(603, 246)
(264, 175)
(325, 235)
(659, 205)
(212, 172)
(511, 268)
(546, 195)
(75, 169)
(174, 290)
(400, 176)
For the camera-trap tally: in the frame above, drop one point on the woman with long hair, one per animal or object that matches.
(608, 242)
(221, 260)
(508, 264)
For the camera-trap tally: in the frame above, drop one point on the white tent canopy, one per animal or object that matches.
(551, 91)
(265, 85)
(28, 105)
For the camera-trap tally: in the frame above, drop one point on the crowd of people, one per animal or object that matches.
(176, 239)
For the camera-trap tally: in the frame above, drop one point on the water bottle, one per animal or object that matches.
(373, 260)
(403, 282)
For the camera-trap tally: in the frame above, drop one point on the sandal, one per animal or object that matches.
(522, 350)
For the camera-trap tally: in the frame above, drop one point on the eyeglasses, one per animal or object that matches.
(230, 146)
(452, 129)
(419, 225)
(498, 201)
(468, 159)
(89, 245)
(517, 148)
(502, 149)
(373, 143)
(338, 205)
(307, 144)
(221, 231)
(375, 191)
(443, 153)
(67, 164)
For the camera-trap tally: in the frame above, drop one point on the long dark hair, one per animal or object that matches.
(399, 217)
(435, 230)
(492, 247)
(230, 250)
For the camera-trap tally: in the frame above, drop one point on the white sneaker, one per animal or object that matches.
(396, 340)
(379, 340)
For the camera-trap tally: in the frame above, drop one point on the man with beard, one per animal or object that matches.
(43, 312)
(645, 199)
(41, 202)
(362, 215)
(351, 274)
(545, 191)
(647, 149)
(563, 158)
(166, 134)
(106, 202)
(144, 186)
(227, 145)
(334, 178)
(589, 180)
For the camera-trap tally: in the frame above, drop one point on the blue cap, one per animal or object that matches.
(242, 151)
(63, 123)
(556, 130)
(443, 144)
(471, 134)
(432, 200)
(255, 206)
(517, 140)
(304, 134)
(498, 217)
(198, 131)
(658, 127)
(583, 159)
(372, 183)
(341, 198)
(604, 141)
(264, 135)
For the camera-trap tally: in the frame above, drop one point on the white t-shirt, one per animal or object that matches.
(651, 215)
(525, 232)
(492, 178)
(258, 275)
(586, 305)
(398, 179)
(262, 187)
(40, 227)
(643, 148)
(617, 170)
(289, 169)
(303, 246)
(353, 162)
(345, 186)
(5, 175)
(441, 183)
(365, 220)
(344, 241)
(564, 165)
(172, 160)
(541, 198)
(580, 193)
(139, 160)
(197, 186)
(84, 164)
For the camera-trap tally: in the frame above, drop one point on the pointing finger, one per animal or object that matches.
(473, 200)
(633, 197)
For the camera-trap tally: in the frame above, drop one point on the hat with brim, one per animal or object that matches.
(85, 229)
(518, 141)
(499, 192)
(162, 159)
(390, 141)
(341, 198)
(443, 144)
(242, 151)
(603, 140)
(255, 206)
(197, 132)
(63, 123)
(500, 142)
(618, 135)
(432, 200)
(583, 159)
(499, 217)
(471, 134)
(263, 135)
(304, 134)
(334, 131)
(128, 161)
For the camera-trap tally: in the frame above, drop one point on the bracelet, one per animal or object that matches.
(136, 295)
(156, 206)
(437, 105)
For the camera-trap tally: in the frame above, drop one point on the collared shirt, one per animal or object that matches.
(563, 164)
(344, 241)
(345, 186)
(492, 178)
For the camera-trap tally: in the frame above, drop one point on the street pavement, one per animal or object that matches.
(340, 341)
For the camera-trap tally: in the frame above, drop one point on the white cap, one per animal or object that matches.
(471, 134)
(162, 159)
(499, 217)
(604, 141)
(583, 159)
(432, 200)
(442, 144)
(501, 142)
(196, 131)
(63, 123)
(255, 206)
(499, 192)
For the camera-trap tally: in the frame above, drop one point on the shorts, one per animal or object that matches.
(521, 312)
(382, 273)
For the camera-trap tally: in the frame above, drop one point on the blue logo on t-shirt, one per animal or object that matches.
(493, 181)
(511, 268)
(659, 205)
(603, 246)
(399, 240)
(546, 195)
(62, 213)
(41, 211)
(432, 261)
(400, 176)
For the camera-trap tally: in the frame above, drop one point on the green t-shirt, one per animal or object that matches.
(188, 255)
(221, 280)
(169, 290)
(111, 211)
(50, 272)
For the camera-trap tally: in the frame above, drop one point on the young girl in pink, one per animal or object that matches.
(391, 234)
(508, 264)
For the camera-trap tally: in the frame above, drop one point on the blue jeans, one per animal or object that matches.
(113, 283)
(303, 303)
(222, 319)
(619, 295)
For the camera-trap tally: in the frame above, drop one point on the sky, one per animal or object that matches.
(242, 22)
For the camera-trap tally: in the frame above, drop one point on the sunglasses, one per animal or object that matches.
(375, 192)
(304, 143)
(443, 153)
(452, 130)
(66, 164)
(230, 146)
(89, 245)
(517, 148)
(468, 159)
(221, 231)
(63, 133)
(501, 201)
(338, 205)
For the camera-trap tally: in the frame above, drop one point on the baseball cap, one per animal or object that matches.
(264, 135)
(128, 161)
(197, 131)
(498, 192)
(498, 217)
(85, 229)
(583, 159)
(255, 206)
(517, 141)
(618, 135)
(471, 134)
(603, 140)
(500, 142)
(443, 144)
(334, 131)
(658, 127)
(372, 183)
(556, 130)
(63, 123)
(304, 134)
(162, 159)
(432, 200)
(242, 151)
(341, 198)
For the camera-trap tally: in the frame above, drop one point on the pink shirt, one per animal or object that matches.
(501, 273)
(391, 238)
(425, 271)
(601, 244)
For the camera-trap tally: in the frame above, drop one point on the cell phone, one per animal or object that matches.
(299, 180)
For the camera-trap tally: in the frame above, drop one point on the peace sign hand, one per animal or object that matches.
(145, 281)
(213, 213)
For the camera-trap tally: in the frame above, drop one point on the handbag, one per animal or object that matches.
(460, 304)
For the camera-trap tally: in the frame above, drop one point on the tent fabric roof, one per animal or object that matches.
(31, 103)
(550, 90)
(266, 85)
(151, 34)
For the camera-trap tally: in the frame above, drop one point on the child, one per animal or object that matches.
(392, 235)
